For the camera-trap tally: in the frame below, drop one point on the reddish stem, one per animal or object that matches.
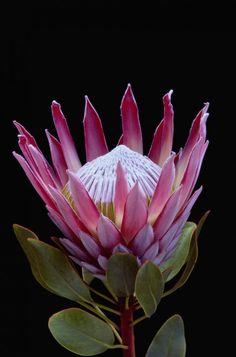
(127, 330)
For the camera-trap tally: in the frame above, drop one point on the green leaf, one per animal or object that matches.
(191, 261)
(169, 340)
(51, 268)
(57, 272)
(149, 287)
(200, 224)
(121, 273)
(179, 257)
(87, 276)
(80, 332)
(166, 273)
(22, 234)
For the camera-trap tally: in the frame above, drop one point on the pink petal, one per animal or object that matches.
(24, 146)
(57, 158)
(108, 234)
(168, 214)
(163, 190)
(173, 233)
(121, 193)
(103, 261)
(176, 227)
(121, 248)
(142, 240)
(35, 159)
(184, 215)
(189, 204)
(67, 143)
(95, 142)
(73, 249)
(192, 170)
(43, 167)
(171, 245)
(90, 245)
(169, 240)
(93, 269)
(151, 252)
(132, 134)
(85, 206)
(202, 154)
(171, 248)
(29, 138)
(67, 211)
(163, 138)
(198, 129)
(135, 213)
(58, 220)
(35, 181)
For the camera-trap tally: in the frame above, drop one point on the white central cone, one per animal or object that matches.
(99, 175)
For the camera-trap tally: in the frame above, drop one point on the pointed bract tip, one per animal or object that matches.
(170, 160)
(88, 104)
(129, 89)
(138, 188)
(72, 176)
(128, 92)
(69, 172)
(206, 106)
(17, 156)
(170, 93)
(119, 166)
(198, 191)
(88, 107)
(102, 218)
(55, 106)
(30, 146)
(167, 96)
(17, 125)
(56, 111)
(54, 102)
(128, 97)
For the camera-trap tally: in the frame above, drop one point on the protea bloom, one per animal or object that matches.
(120, 200)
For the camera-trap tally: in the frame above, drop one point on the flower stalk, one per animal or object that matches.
(127, 328)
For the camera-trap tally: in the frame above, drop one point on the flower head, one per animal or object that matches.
(120, 200)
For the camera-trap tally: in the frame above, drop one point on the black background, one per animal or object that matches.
(62, 52)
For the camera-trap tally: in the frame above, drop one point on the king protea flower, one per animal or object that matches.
(119, 200)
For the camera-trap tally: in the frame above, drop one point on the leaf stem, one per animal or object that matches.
(110, 291)
(102, 295)
(108, 309)
(95, 309)
(113, 326)
(118, 346)
(139, 320)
